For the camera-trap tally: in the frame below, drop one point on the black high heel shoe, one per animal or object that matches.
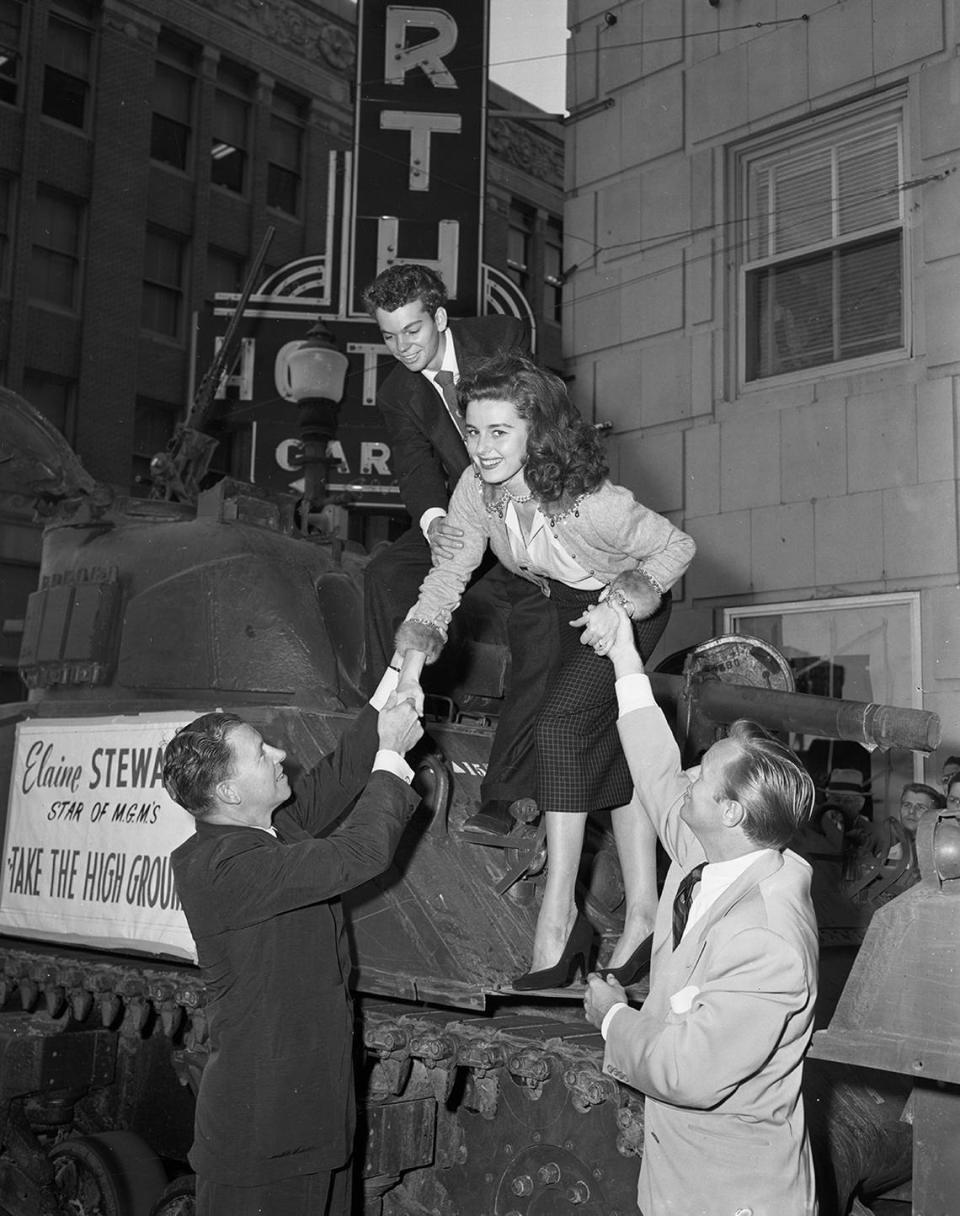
(636, 966)
(576, 954)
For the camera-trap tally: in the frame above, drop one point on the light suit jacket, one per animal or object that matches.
(718, 1045)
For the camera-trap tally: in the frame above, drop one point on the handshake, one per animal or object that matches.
(398, 724)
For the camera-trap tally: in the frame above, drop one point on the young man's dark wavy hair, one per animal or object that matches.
(565, 456)
(399, 285)
(197, 758)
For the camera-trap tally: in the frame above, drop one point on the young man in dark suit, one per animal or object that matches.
(260, 888)
(417, 401)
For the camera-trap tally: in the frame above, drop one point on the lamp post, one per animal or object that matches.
(317, 370)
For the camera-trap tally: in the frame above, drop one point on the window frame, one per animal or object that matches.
(885, 604)
(288, 112)
(232, 87)
(80, 207)
(68, 19)
(822, 133)
(18, 57)
(522, 221)
(552, 283)
(159, 115)
(180, 289)
(36, 376)
(217, 256)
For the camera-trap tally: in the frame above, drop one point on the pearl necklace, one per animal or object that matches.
(518, 498)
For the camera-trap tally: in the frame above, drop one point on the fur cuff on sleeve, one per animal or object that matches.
(420, 635)
(640, 591)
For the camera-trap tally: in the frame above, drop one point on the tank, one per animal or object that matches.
(473, 1099)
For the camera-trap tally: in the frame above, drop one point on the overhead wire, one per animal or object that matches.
(485, 66)
(654, 243)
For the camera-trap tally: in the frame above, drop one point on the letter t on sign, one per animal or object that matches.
(400, 58)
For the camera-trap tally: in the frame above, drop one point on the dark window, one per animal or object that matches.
(66, 80)
(283, 171)
(823, 276)
(54, 397)
(163, 262)
(284, 168)
(231, 124)
(519, 236)
(11, 25)
(172, 116)
(225, 271)
(553, 271)
(55, 261)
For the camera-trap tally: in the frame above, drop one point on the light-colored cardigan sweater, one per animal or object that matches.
(607, 532)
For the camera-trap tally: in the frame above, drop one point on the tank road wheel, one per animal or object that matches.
(177, 1198)
(110, 1174)
(547, 1180)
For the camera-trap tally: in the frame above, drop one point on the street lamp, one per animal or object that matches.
(317, 370)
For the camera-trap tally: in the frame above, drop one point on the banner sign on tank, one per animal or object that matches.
(89, 834)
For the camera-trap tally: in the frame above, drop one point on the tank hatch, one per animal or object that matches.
(35, 459)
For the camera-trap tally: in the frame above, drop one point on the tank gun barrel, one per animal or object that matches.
(865, 722)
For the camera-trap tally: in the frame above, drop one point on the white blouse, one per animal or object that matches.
(541, 553)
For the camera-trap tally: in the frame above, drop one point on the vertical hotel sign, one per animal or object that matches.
(420, 144)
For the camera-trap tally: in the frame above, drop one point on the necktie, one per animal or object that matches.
(445, 380)
(682, 901)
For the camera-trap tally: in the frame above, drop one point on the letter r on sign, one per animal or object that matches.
(400, 58)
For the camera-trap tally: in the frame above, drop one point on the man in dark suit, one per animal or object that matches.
(424, 425)
(260, 888)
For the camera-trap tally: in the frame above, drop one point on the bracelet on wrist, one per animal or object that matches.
(617, 597)
(651, 580)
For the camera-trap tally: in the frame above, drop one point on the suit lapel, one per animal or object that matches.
(674, 969)
(767, 863)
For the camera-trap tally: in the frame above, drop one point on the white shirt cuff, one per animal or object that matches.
(634, 692)
(387, 685)
(427, 518)
(387, 761)
(608, 1017)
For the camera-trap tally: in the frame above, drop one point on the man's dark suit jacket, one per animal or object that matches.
(428, 450)
(276, 1097)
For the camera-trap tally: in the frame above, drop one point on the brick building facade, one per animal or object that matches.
(144, 151)
(763, 213)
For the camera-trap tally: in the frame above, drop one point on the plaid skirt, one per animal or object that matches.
(580, 763)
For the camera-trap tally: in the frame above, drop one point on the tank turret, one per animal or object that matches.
(149, 611)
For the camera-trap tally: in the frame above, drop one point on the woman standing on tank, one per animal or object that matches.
(538, 494)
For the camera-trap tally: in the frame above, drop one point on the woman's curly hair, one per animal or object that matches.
(565, 456)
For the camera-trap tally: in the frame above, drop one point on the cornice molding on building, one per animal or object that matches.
(130, 20)
(286, 23)
(527, 149)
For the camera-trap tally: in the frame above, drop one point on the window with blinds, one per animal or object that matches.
(822, 276)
